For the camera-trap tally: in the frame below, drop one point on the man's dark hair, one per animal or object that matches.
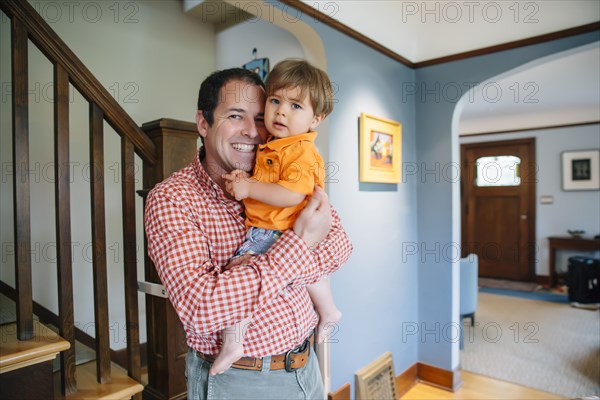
(210, 90)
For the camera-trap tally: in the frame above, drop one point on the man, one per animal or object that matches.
(194, 227)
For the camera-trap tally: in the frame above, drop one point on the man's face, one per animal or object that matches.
(237, 129)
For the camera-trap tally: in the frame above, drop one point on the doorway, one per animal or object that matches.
(498, 207)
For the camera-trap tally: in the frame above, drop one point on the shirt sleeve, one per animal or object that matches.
(204, 297)
(333, 252)
(301, 167)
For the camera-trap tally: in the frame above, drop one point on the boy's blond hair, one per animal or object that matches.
(292, 73)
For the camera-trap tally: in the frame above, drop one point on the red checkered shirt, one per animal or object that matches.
(193, 230)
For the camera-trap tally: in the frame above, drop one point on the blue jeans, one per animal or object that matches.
(258, 241)
(238, 384)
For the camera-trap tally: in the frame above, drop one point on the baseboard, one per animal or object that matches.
(416, 373)
(442, 378)
(46, 316)
(342, 393)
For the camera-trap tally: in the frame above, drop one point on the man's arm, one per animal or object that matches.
(326, 242)
(204, 296)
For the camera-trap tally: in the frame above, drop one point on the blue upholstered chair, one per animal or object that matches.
(468, 287)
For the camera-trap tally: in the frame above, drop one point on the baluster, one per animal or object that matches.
(130, 259)
(99, 244)
(63, 228)
(22, 216)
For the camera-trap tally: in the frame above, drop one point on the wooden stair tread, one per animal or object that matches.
(15, 354)
(120, 386)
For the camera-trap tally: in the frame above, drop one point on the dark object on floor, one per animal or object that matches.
(584, 280)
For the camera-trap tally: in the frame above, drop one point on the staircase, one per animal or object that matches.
(28, 347)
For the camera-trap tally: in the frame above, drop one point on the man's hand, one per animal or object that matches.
(314, 221)
(237, 184)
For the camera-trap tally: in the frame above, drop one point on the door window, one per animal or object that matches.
(498, 171)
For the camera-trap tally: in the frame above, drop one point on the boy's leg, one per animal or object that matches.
(232, 348)
(329, 315)
(257, 241)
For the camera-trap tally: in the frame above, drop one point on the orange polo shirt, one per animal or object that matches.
(294, 163)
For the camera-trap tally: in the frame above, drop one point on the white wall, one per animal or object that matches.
(570, 209)
(234, 44)
(152, 58)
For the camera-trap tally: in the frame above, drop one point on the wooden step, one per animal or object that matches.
(120, 386)
(43, 346)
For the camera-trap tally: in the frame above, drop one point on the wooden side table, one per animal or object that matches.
(568, 243)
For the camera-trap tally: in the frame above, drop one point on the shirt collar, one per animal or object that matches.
(278, 143)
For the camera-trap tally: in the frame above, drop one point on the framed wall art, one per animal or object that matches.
(260, 66)
(377, 380)
(380, 149)
(581, 170)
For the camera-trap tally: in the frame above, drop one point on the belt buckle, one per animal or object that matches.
(296, 350)
(288, 361)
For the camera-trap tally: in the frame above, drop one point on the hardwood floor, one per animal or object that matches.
(478, 387)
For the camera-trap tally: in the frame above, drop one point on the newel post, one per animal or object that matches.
(176, 144)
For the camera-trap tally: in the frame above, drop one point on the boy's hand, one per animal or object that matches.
(237, 184)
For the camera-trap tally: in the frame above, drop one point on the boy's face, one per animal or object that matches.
(286, 114)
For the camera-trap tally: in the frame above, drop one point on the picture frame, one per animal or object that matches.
(581, 170)
(260, 66)
(377, 380)
(380, 149)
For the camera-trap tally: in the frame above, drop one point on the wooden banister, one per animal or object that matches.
(27, 25)
(49, 43)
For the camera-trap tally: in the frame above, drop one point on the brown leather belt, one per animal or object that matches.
(290, 361)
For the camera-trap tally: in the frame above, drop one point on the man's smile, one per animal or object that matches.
(245, 148)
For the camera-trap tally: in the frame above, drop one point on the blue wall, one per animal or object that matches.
(399, 292)
(437, 148)
(377, 290)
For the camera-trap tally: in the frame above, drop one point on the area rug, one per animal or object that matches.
(545, 345)
(506, 284)
(531, 295)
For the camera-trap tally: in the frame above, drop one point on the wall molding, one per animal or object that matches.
(537, 128)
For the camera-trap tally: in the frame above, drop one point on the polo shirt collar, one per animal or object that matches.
(279, 143)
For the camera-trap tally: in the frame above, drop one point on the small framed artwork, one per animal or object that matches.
(380, 149)
(581, 170)
(377, 380)
(259, 65)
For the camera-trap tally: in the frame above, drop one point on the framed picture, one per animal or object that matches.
(581, 170)
(380, 149)
(259, 65)
(377, 380)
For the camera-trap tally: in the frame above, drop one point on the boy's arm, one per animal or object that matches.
(242, 187)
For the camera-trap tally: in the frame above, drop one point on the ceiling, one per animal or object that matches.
(562, 89)
(426, 30)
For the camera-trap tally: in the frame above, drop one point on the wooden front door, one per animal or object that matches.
(498, 207)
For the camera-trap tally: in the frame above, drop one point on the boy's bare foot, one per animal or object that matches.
(230, 353)
(327, 324)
